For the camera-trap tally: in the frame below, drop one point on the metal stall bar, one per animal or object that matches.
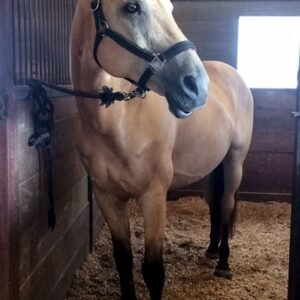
(294, 264)
(41, 30)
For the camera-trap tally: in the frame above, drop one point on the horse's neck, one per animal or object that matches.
(87, 76)
(99, 118)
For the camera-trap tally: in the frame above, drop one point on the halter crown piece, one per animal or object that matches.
(156, 61)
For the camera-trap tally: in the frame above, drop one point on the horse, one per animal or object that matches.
(188, 119)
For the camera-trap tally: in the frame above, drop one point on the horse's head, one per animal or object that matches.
(149, 24)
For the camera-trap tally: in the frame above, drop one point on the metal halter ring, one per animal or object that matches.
(97, 6)
(104, 27)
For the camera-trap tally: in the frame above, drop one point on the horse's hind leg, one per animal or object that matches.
(115, 213)
(214, 189)
(153, 206)
(232, 166)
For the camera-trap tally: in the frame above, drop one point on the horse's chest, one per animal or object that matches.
(114, 173)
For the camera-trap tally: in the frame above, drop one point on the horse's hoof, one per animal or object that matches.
(227, 274)
(212, 255)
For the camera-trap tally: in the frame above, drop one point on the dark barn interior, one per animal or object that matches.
(37, 264)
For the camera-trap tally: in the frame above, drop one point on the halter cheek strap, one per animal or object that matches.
(156, 61)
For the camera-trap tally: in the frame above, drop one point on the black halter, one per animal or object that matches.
(156, 60)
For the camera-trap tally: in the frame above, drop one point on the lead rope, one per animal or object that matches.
(42, 139)
(106, 96)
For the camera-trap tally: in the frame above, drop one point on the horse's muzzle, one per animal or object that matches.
(191, 94)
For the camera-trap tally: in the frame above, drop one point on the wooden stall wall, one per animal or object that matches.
(48, 259)
(213, 26)
(7, 153)
(36, 263)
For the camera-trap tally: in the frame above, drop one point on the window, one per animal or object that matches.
(268, 51)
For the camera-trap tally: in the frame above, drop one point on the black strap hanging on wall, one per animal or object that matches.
(42, 139)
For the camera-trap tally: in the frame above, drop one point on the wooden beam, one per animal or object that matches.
(8, 222)
(294, 264)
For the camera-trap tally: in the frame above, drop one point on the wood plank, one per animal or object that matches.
(8, 207)
(64, 146)
(263, 197)
(33, 208)
(268, 162)
(268, 172)
(60, 289)
(270, 99)
(27, 158)
(224, 10)
(214, 39)
(68, 170)
(35, 239)
(273, 120)
(64, 108)
(8, 214)
(210, 31)
(272, 140)
(43, 280)
(4, 216)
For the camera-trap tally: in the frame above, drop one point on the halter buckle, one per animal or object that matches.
(157, 64)
(135, 93)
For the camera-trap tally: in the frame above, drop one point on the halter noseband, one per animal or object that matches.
(156, 61)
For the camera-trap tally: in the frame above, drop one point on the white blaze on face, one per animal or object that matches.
(169, 5)
(153, 28)
(159, 30)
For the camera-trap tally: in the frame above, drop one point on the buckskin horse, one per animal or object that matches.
(195, 120)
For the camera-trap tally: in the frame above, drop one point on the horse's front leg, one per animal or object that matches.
(115, 213)
(153, 206)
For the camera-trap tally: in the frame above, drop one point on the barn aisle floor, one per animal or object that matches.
(259, 256)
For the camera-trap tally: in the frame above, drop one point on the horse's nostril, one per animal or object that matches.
(190, 83)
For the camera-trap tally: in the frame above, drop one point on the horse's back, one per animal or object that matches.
(227, 78)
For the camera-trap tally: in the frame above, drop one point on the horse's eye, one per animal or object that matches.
(132, 8)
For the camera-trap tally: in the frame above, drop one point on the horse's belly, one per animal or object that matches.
(202, 142)
(180, 181)
(186, 173)
(197, 156)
